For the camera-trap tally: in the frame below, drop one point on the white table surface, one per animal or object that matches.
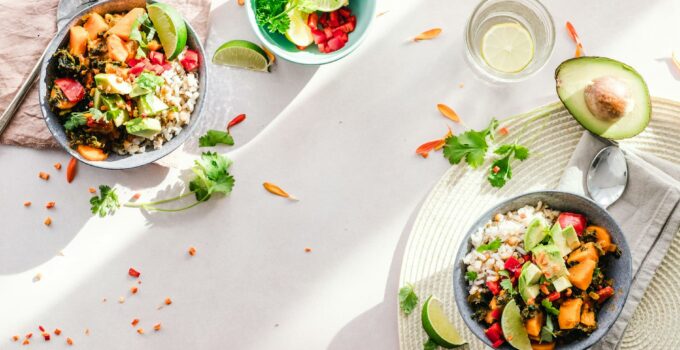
(340, 137)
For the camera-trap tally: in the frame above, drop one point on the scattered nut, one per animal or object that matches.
(57, 166)
(44, 176)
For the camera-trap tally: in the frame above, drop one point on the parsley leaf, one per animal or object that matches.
(493, 245)
(471, 275)
(273, 15)
(430, 345)
(106, 203)
(548, 306)
(408, 300)
(214, 137)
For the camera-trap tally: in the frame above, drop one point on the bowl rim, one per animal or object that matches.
(53, 46)
(318, 59)
(463, 248)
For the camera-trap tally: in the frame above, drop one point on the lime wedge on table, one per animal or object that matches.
(507, 47)
(299, 32)
(242, 54)
(513, 327)
(172, 31)
(438, 326)
(324, 5)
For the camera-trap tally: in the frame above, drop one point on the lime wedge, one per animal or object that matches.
(299, 32)
(242, 54)
(170, 26)
(507, 47)
(438, 326)
(513, 327)
(324, 5)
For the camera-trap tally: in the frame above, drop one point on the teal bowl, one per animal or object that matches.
(364, 10)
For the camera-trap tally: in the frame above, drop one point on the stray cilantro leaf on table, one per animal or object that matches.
(493, 245)
(408, 300)
(430, 345)
(106, 203)
(214, 137)
(471, 145)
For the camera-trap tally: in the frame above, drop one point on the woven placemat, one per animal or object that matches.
(462, 195)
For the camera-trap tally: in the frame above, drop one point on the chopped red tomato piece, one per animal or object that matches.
(313, 20)
(156, 57)
(572, 219)
(605, 293)
(554, 296)
(494, 333)
(71, 88)
(496, 313)
(494, 287)
(512, 264)
(190, 60)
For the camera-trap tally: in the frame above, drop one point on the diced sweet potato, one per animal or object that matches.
(95, 24)
(116, 48)
(603, 237)
(570, 313)
(542, 346)
(123, 27)
(584, 252)
(534, 324)
(588, 316)
(581, 275)
(154, 45)
(78, 40)
(92, 153)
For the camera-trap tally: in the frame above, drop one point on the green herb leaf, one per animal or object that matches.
(548, 306)
(211, 176)
(500, 172)
(430, 345)
(506, 284)
(521, 152)
(148, 82)
(493, 245)
(106, 203)
(471, 275)
(77, 119)
(408, 300)
(273, 15)
(504, 273)
(547, 331)
(214, 137)
(470, 145)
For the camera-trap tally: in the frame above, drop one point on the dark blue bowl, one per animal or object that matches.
(115, 161)
(618, 269)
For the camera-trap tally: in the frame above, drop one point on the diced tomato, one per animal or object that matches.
(328, 31)
(335, 44)
(158, 69)
(300, 47)
(494, 333)
(345, 12)
(319, 36)
(554, 296)
(512, 264)
(167, 66)
(498, 343)
(353, 20)
(322, 47)
(313, 21)
(324, 19)
(605, 293)
(156, 57)
(134, 61)
(71, 88)
(496, 313)
(494, 287)
(190, 61)
(572, 219)
(137, 69)
(347, 27)
(333, 20)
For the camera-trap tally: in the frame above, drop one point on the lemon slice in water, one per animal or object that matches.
(508, 47)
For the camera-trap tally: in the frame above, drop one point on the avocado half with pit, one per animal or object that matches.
(607, 97)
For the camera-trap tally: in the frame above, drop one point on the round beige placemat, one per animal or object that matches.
(462, 195)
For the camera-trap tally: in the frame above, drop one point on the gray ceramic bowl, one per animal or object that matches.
(48, 74)
(619, 269)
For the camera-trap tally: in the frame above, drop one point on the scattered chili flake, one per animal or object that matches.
(41, 328)
(26, 342)
(57, 331)
(27, 203)
(134, 322)
(44, 176)
(29, 335)
(448, 112)
(69, 341)
(139, 281)
(382, 13)
(37, 278)
(168, 301)
(192, 251)
(427, 147)
(50, 205)
(87, 331)
(104, 300)
(71, 169)
(241, 2)
(574, 36)
(273, 189)
(307, 250)
(15, 338)
(140, 330)
(461, 85)
(157, 327)
(496, 169)
(48, 221)
(428, 34)
(237, 120)
(503, 131)
(136, 196)
(121, 300)
(46, 336)
(57, 166)
(92, 190)
(133, 290)
(134, 273)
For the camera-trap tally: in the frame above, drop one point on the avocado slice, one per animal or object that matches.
(605, 96)
(571, 237)
(558, 239)
(549, 259)
(97, 99)
(561, 283)
(143, 127)
(534, 235)
(112, 84)
(150, 105)
(113, 105)
(528, 279)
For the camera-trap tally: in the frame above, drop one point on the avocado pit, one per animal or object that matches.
(608, 98)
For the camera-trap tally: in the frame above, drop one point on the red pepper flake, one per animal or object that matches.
(26, 342)
(15, 338)
(57, 166)
(192, 251)
(136, 196)
(133, 290)
(134, 322)
(496, 169)
(44, 176)
(574, 36)
(87, 331)
(168, 301)
(140, 330)
(237, 120)
(92, 190)
(57, 331)
(46, 336)
(50, 205)
(41, 328)
(27, 203)
(425, 149)
(71, 169)
(134, 273)
(503, 131)
(157, 327)
(29, 335)
(69, 341)
(308, 250)
(48, 221)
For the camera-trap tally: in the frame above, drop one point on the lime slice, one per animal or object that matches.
(299, 32)
(438, 326)
(324, 5)
(170, 26)
(242, 54)
(513, 327)
(508, 47)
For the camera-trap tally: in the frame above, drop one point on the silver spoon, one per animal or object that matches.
(607, 176)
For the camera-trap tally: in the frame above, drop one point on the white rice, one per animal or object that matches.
(510, 228)
(180, 93)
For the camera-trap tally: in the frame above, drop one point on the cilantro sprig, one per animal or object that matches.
(493, 245)
(500, 171)
(273, 14)
(408, 300)
(106, 202)
(548, 306)
(215, 137)
(142, 32)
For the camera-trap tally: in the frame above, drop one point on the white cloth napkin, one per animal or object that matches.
(648, 214)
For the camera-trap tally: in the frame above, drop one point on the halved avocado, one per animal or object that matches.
(607, 97)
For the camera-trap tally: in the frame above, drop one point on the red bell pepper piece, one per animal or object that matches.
(496, 313)
(494, 287)
(134, 273)
(313, 21)
(494, 333)
(190, 61)
(572, 219)
(512, 264)
(71, 88)
(604, 294)
(554, 296)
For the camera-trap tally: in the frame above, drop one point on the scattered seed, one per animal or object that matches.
(168, 301)
(27, 203)
(104, 300)
(69, 341)
(134, 322)
(157, 327)
(133, 290)
(26, 342)
(60, 253)
(503, 131)
(50, 205)
(308, 250)
(57, 166)
(428, 34)
(461, 85)
(92, 190)
(48, 221)
(273, 189)
(140, 330)
(57, 331)
(87, 331)
(44, 176)
(121, 300)
(37, 278)
(382, 13)
(192, 251)
(15, 338)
